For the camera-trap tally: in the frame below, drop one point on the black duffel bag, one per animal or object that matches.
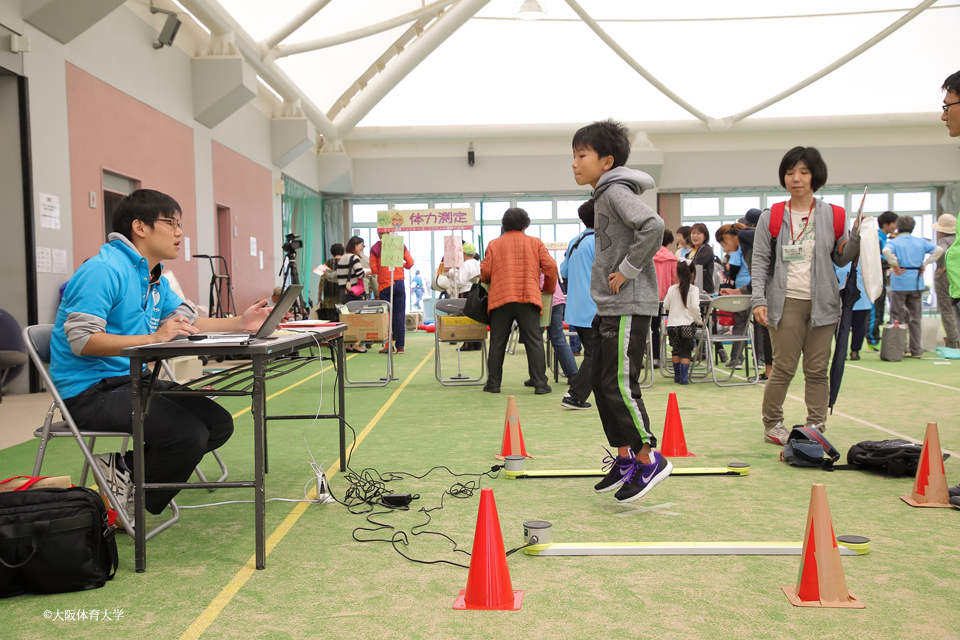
(475, 307)
(54, 541)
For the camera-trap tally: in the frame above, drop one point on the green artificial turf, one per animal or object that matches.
(321, 582)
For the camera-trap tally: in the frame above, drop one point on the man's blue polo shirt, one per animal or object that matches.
(911, 252)
(115, 292)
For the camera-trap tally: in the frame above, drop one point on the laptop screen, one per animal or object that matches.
(287, 298)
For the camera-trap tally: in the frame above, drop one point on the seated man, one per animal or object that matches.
(101, 313)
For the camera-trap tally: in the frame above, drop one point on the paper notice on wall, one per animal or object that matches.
(391, 250)
(59, 260)
(253, 246)
(49, 211)
(452, 252)
(261, 259)
(186, 248)
(44, 260)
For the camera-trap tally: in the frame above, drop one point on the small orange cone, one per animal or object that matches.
(512, 435)
(488, 585)
(673, 444)
(821, 582)
(930, 486)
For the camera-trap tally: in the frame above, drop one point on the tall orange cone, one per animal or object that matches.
(674, 444)
(820, 582)
(512, 435)
(488, 585)
(930, 486)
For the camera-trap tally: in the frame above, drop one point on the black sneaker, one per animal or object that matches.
(617, 468)
(569, 402)
(644, 477)
(955, 491)
(491, 389)
(543, 390)
(528, 383)
(955, 502)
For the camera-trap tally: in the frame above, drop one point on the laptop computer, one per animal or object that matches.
(287, 300)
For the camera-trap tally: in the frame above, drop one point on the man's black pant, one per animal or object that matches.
(876, 318)
(177, 432)
(582, 383)
(527, 316)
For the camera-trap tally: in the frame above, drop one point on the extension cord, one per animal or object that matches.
(323, 488)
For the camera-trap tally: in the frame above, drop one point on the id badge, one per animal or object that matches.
(793, 253)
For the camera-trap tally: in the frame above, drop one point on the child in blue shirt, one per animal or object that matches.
(118, 299)
(575, 269)
(861, 310)
(908, 257)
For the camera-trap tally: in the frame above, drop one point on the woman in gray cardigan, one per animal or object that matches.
(795, 290)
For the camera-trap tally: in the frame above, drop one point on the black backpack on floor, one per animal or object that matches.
(806, 447)
(896, 458)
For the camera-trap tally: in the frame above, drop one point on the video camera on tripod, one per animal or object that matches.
(290, 274)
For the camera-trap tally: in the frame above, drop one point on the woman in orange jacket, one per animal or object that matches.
(512, 266)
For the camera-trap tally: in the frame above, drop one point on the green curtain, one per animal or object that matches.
(302, 215)
(333, 222)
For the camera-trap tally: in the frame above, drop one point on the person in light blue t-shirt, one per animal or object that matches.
(908, 256)
(118, 299)
(575, 269)
(861, 310)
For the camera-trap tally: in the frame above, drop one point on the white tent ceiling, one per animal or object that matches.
(722, 58)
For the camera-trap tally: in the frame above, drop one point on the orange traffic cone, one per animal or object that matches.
(488, 585)
(673, 444)
(821, 582)
(512, 435)
(930, 487)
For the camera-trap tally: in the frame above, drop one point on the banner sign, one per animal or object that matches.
(425, 220)
(555, 246)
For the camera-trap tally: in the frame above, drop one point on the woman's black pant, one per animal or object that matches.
(527, 316)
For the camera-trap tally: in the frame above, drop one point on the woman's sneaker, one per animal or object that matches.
(776, 434)
(618, 469)
(644, 477)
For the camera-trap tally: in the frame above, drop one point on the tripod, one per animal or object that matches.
(291, 276)
(217, 282)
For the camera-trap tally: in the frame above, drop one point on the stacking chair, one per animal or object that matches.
(707, 339)
(357, 306)
(444, 309)
(37, 341)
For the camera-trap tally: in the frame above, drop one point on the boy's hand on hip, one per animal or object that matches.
(616, 280)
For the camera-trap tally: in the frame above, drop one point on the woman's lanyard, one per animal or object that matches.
(807, 221)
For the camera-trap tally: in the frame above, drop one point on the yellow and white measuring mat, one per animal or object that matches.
(538, 532)
(514, 469)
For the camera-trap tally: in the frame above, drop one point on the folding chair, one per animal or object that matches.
(513, 339)
(357, 306)
(729, 304)
(37, 341)
(454, 307)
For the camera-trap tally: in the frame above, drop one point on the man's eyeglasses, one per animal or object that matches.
(175, 224)
(949, 104)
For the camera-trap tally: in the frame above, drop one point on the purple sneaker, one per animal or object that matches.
(617, 468)
(644, 477)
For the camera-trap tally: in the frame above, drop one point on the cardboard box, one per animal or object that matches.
(366, 327)
(460, 328)
(56, 482)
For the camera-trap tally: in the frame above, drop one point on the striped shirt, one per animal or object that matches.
(349, 270)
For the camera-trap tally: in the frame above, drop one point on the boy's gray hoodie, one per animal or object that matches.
(628, 234)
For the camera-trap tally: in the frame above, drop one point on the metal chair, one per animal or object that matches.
(454, 307)
(37, 340)
(357, 306)
(729, 304)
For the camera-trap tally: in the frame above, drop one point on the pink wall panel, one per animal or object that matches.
(247, 189)
(110, 130)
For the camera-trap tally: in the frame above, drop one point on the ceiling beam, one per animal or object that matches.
(402, 63)
(321, 43)
(295, 23)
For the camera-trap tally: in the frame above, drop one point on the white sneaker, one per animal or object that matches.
(819, 426)
(776, 434)
(119, 480)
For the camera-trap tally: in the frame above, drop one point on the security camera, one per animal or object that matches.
(169, 30)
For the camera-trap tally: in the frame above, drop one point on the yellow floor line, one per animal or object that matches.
(295, 384)
(206, 618)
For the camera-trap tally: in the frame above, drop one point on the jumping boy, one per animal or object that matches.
(624, 286)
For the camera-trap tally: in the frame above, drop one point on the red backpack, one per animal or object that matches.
(776, 220)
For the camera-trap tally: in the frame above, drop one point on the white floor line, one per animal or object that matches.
(893, 375)
(870, 424)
